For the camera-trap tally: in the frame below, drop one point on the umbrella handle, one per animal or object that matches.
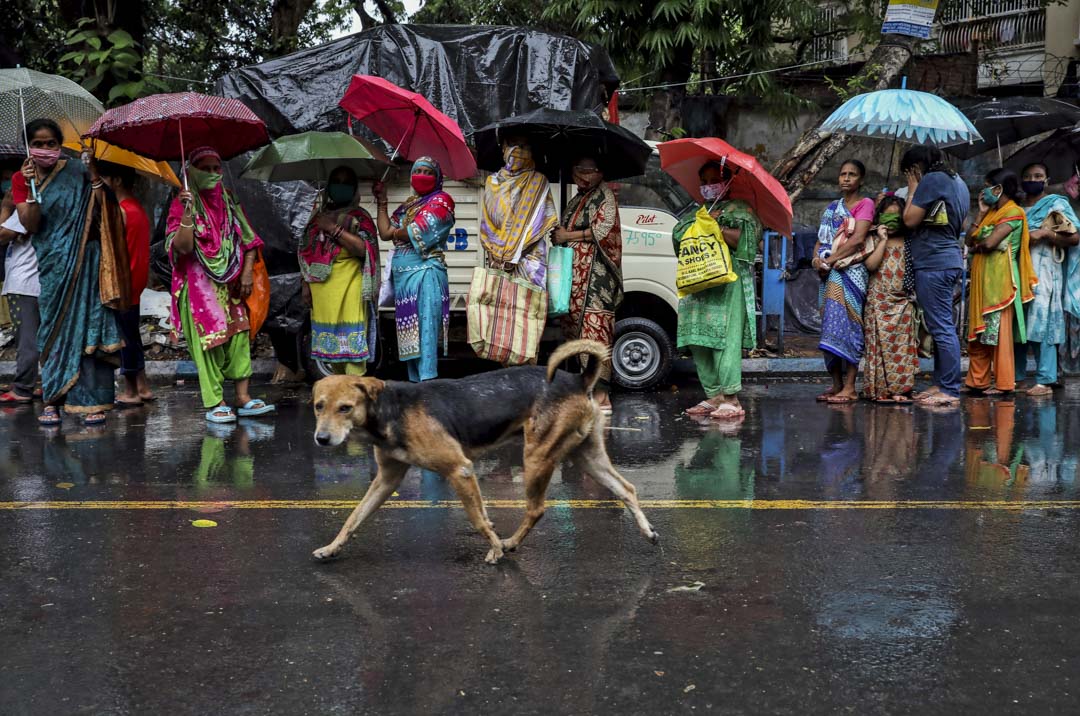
(416, 120)
(183, 154)
(26, 143)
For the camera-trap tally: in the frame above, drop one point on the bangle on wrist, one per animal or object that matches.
(187, 226)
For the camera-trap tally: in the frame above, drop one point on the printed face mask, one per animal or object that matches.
(422, 183)
(989, 197)
(45, 158)
(1033, 188)
(890, 220)
(715, 192)
(340, 193)
(203, 181)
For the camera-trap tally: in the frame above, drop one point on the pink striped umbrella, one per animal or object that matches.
(410, 124)
(163, 126)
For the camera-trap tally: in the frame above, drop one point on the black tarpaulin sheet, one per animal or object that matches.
(475, 74)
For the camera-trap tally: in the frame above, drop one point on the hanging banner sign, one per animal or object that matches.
(910, 17)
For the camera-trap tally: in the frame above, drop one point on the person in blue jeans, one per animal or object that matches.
(938, 205)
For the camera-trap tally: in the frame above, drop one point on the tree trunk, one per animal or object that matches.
(665, 105)
(285, 19)
(815, 148)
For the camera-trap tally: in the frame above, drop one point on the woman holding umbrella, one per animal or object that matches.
(718, 323)
(419, 229)
(339, 261)
(1052, 224)
(591, 227)
(213, 250)
(64, 206)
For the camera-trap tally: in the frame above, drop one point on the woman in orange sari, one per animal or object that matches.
(1002, 280)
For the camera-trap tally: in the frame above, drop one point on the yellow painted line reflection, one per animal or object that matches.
(555, 504)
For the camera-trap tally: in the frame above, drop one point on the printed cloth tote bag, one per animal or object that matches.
(506, 317)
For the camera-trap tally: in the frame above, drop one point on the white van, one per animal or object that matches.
(649, 206)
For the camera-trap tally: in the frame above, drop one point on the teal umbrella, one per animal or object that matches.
(312, 156)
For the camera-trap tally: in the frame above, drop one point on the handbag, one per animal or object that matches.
(560, 279)
(506, 316)
(704, 258)
(258, 303)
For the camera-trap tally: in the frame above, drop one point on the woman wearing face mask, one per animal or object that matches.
(591, 228)
(213, 250)
(63, 205)
(517, 215)
(717, 324)
(1057, 266)
(891, 359)
(339, 261)
(1002, 281)
(842, 233)
(419, 229)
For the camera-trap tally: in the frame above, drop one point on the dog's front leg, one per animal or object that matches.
(464, 481)
(391, 473)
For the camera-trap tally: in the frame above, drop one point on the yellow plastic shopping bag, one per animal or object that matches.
(704, 258)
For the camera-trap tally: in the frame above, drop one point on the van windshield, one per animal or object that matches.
(655, 189)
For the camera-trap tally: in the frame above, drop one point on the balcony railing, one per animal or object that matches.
(995, 24)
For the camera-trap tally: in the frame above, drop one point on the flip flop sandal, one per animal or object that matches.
(824, 397)
(1035, 391)
(221, 414)
(841, 400)
(727, 411)
(50, 416)
(95, 419)
(12, 397)
(940, 401)
(702, 408)
(255, 407)
(128, 404)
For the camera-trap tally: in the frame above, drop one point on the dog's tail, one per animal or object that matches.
(594, 349)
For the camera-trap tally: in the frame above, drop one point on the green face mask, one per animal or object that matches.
(203, 181)
(890, 220)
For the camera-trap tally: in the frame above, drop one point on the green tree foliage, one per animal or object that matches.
(108, 62)
(528, 13)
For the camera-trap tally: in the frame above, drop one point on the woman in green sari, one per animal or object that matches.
(718, 323)
(65, 208)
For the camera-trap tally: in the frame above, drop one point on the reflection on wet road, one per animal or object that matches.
(814, 559)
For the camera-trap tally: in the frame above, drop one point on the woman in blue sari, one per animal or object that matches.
(419, 229)
(64, 206)
(843, 294)
(1056, 261)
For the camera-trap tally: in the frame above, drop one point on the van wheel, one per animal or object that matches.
(642, 356)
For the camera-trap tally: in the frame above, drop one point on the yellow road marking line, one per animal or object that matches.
(568, 504)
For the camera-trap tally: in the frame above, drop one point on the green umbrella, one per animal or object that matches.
(312, 156)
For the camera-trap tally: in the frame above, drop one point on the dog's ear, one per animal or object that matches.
(368, 387)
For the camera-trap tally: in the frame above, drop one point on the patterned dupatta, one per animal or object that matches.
(316, 253)
(517, 209)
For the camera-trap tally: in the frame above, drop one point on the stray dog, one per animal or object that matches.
(441, 425)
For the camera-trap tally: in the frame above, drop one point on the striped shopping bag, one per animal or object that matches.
(506, 317)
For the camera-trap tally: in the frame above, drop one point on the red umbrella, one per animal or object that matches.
(410, 123)
(163, 126)
(682, 158)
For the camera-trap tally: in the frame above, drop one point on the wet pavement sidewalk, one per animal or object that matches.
(814, 559)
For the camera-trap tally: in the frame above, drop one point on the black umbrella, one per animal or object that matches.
(1008, 120)
(559, 138)
(1060, 152)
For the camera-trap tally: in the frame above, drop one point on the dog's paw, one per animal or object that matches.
(508, 545)
(323, 554)
(655, 537)
(494, 555)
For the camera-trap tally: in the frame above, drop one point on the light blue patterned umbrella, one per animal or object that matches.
(903, 114)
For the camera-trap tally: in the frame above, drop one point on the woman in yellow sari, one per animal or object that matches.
(1002, 280)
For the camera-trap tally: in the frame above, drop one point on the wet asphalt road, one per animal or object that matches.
(967, 603)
